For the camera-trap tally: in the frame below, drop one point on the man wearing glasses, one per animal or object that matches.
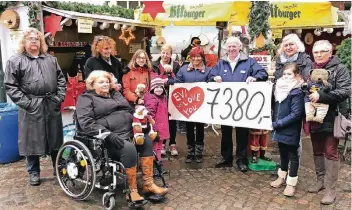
(35, 82)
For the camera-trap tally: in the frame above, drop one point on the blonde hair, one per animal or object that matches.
(100, 42)
(295, 39)
(132, 63)
(43, 47)
(94, 75)
(167, 47)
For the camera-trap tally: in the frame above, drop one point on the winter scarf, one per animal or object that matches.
(283, 88)
(321, 65)
(285, 59)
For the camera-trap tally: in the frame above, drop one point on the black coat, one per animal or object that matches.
(98, 63)
(96, 112)
(340, 80)
(37, 86)
(303, 62)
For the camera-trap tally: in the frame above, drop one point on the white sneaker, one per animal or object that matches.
(173, 150)
(163, 151)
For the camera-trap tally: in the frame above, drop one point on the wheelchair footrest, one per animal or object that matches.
(120, 178)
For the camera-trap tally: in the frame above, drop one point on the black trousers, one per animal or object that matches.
(289, 153)
(173, 131)
(128, 154)
(199, 137)
(241, 143)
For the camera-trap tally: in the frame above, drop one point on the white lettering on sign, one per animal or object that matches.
(263, 60)
(234, 104)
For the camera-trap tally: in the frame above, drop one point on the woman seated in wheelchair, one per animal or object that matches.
(103, 108)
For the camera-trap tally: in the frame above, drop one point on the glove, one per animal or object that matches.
(115, 139)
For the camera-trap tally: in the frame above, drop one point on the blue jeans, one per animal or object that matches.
(33, 163)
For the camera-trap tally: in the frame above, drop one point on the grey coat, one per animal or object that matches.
(303, 62)
(37, 86)
(340, 80)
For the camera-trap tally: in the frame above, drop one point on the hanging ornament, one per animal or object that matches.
(101, 27)
(106, 25)
(329, 30)
(133, 28)
(124, 27)
(287, 32)
(76, 22)
(52, 24)
(338, 33)
(117, 26)
(299, 31)
(68, 23)
(127, 36)
(153, 8)
(95, 24)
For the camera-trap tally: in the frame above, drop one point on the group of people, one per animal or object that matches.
(35, 82)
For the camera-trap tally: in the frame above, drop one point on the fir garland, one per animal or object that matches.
(344, 52)
(271, 48)
(259, 19)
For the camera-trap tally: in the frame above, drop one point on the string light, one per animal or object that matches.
(127, 36)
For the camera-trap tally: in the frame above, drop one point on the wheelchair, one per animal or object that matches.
(83, 164)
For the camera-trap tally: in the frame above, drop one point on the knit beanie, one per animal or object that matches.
(156, 82)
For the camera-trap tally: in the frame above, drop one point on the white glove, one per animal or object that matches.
(218, 79)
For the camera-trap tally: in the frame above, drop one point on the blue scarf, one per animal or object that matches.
(291, 59)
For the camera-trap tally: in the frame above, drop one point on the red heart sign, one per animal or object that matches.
(186, 101)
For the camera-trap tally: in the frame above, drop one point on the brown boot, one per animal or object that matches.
(132, 183)
(148, 182)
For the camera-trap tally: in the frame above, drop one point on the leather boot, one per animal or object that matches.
(148, 182)
(280, 180)
(254, 156)
(132, 183)
(331, 176)
(291, 183)
(319, 163)
(199, 153)
(190, 153)
(263, 157)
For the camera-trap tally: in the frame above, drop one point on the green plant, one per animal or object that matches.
(6, 4)
(344, 52)
(271, 48)
(33, 11)
(259, 19)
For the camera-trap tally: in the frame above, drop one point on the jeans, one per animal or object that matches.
(33, 162)
(289, 155)
(325, 144)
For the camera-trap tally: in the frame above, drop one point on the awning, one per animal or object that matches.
(98, 18)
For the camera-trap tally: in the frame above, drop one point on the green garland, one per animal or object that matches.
(116, 11)
(271, 48)
(259, 19)
(344, 52)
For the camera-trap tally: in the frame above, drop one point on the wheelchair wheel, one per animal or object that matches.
(75, 169)
(109, 200)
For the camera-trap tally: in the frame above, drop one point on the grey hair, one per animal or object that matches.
(233, 39)
(325, 43)
(295, 39)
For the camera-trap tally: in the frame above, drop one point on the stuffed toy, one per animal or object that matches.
(318, 81)
(142, 124)
(140, 91)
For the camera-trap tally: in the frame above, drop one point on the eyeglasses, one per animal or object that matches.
(321, 52)
(141, 58)
(33, 39)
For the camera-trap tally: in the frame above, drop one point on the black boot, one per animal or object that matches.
(254, 156)
(199, 153)
(262, 156)
(190, 153)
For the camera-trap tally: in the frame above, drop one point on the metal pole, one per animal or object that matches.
(220, 35)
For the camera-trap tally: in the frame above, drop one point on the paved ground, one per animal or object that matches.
(194, 186)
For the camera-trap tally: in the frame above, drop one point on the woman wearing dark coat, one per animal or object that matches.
(103, 108)
(103, 51)
(324, 144)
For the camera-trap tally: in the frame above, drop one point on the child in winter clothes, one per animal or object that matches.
(156, 104)
(287, 124)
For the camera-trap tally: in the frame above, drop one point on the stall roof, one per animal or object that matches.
(99, 18)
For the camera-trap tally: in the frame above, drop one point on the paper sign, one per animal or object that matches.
(276, 33)
(15, 38)
(85, 25)
(134, 47)
(229, 103)
(263, 60)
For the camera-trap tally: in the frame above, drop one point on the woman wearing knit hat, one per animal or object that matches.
(196, 71)
(156, 104)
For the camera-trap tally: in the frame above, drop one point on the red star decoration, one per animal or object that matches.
(153, 8)
(52, 24)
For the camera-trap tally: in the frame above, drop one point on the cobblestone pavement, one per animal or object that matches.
(192, 186)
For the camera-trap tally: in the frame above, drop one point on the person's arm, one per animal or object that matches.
(185, 52)
(12, 85)
(257, 71)
(179, 78)
(214, 72)
(342, 90)
(297, 112)
(129, 95)
(61, 83)
(85, 116)
(87, 68)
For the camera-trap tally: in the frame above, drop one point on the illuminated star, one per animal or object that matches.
(127, 35)
(52, 24)
(153, 8)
